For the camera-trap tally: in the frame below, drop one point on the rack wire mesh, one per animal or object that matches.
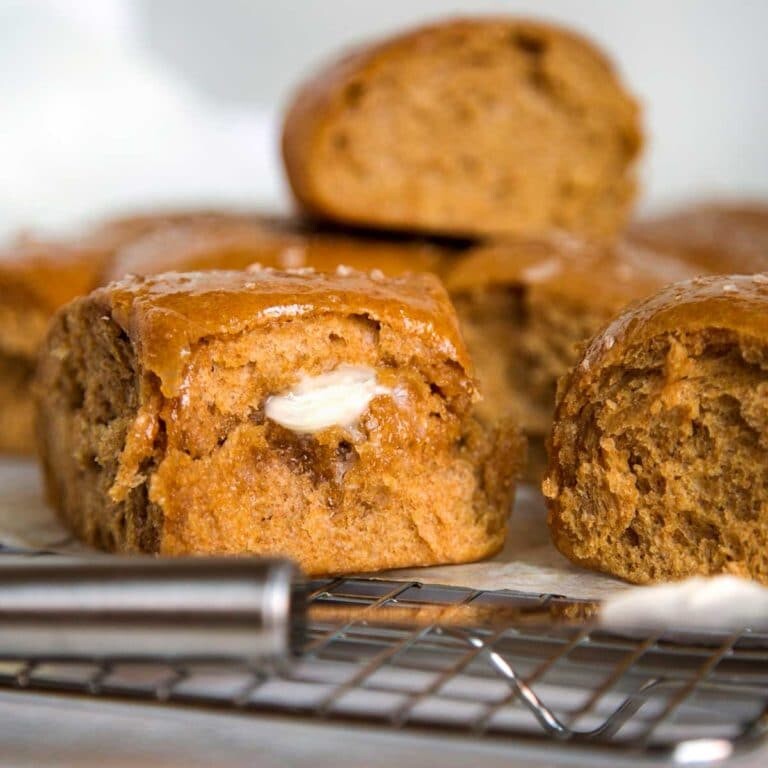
(695, 697)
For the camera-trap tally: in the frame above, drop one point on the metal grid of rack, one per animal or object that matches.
(696, 697)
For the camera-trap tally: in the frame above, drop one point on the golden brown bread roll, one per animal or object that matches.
(660, 441)
(328, 418)
(480, 126)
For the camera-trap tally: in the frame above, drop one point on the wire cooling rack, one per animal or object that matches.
(694, 698)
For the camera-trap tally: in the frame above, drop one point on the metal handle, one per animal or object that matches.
(137, 608)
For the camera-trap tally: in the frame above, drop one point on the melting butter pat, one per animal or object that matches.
(334, 399)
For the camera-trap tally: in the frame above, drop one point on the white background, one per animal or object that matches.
(108, 104)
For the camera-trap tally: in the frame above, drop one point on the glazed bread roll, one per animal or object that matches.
(480, 126)
(327, 418)
(659, 446)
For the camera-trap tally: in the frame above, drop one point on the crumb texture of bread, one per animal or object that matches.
(528, 305)
(153, 427)
(87, 391)
(469, 127)
(659, 447)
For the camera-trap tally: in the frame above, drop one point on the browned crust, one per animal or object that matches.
(721, 237)
(165, 314)
(560, 264)
(733, 302)
(282, 243)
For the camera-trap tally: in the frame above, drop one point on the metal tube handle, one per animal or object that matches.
(139, 608)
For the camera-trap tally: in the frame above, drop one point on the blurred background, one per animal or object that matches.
(108, 105)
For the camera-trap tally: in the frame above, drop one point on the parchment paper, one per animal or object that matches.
(528, 562)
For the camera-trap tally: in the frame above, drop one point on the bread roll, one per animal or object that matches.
(36, 277)
(480, 126)
(327, 418)
(659, 446)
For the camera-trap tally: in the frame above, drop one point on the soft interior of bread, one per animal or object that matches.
(668, 478)
(497, 129)
(412, 482)
(555, 329)
(416, 481)
(521, 344)
(88, 394)
(491, 323)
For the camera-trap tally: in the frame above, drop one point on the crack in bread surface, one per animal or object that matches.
(668, 476)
